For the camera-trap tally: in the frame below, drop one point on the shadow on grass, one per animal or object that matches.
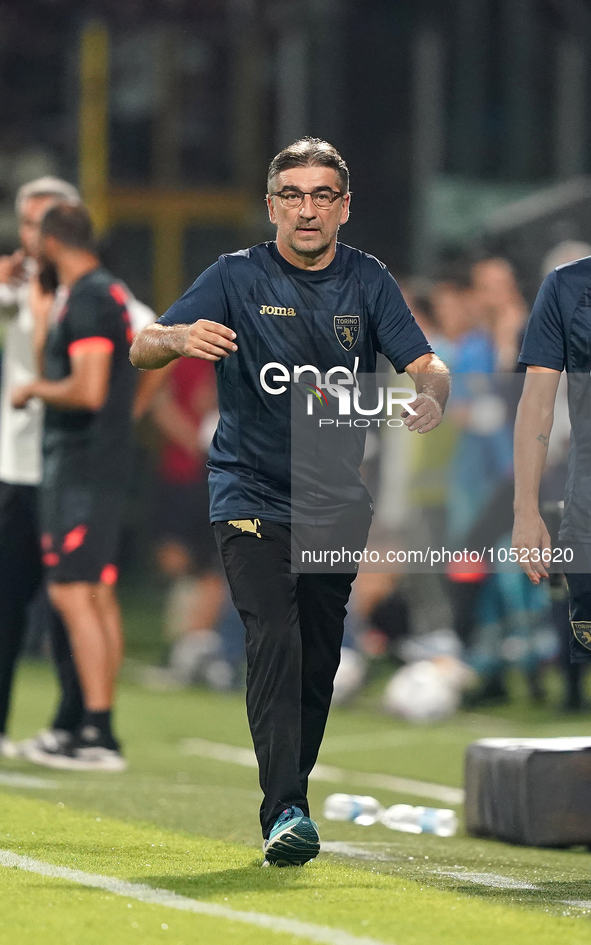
(197, 885)
(242, 879)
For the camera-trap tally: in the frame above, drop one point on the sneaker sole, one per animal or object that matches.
(65, 763)
(9, 750)
(293, 847)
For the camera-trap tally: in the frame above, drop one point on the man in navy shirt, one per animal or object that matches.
(557, 339)
(303, 309)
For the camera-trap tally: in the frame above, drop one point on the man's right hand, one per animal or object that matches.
(158, 345)
(11, 267)
(530, 534)
(208, 340)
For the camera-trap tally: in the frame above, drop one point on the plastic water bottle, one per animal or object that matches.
(359, 808)
(443, 823)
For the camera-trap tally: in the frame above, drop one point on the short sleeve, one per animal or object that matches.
(544, 342)
(206, 298)
(398, 336)
(89, 325)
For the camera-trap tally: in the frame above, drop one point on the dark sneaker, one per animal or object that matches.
(88, 750)
(47, 742)
(293, 840)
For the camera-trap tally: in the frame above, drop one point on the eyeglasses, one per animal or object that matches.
(323, 198)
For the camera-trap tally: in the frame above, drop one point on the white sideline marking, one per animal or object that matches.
(156, 788)
(382, 739)
(494, 880)
(23, 780)
(164, 897)
(351, 849)
(490, 880)
(246, 757)
(391, 782)
(206, 749)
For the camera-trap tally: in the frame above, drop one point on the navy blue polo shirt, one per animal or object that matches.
(558, 336)
(286, 318)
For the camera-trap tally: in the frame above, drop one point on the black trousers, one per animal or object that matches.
(294, 630)
(21, 584)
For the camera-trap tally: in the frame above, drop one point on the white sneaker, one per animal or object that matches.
(8, 749)
(96, 758)
(192, 654)
(85, 759)
(219, 675)
(74, 753)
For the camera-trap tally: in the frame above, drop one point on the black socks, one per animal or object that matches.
(98, 720)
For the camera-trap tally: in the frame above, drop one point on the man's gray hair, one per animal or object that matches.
(309, 152)
(46, 187)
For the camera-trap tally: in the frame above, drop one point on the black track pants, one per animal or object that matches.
(294, 631)
(20, 577)
(20, 582)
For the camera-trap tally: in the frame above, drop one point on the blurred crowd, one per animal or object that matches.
(461, 493)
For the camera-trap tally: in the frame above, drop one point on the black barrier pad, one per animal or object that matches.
(533, 791)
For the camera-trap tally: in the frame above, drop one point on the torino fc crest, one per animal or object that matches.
(582, 632)
(346, 328)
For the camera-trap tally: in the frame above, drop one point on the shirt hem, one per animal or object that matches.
(541, 362)
(228, 516)
(411, 355)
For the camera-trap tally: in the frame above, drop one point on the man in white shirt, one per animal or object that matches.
(20, 456)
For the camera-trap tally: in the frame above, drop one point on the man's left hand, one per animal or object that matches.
(21, 396)
(427, 416)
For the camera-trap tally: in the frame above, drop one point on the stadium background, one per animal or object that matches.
(166, 113)
(465, 124)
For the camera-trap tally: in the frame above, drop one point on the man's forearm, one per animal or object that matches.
(157, 345)
(533, 425)
(432, 378)
(68, 394)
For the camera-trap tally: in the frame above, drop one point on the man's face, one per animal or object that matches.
(452, 309)
(308, 230)
(494, 283)
(31, 214)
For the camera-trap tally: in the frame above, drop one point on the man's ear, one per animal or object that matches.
(346, 209)
(271, 209)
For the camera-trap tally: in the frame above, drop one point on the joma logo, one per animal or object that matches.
(274, 310)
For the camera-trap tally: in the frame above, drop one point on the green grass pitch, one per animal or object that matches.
(188, 825)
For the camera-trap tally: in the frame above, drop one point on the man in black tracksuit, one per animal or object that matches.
(301, 313)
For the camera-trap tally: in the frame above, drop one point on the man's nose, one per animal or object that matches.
(308, 209)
